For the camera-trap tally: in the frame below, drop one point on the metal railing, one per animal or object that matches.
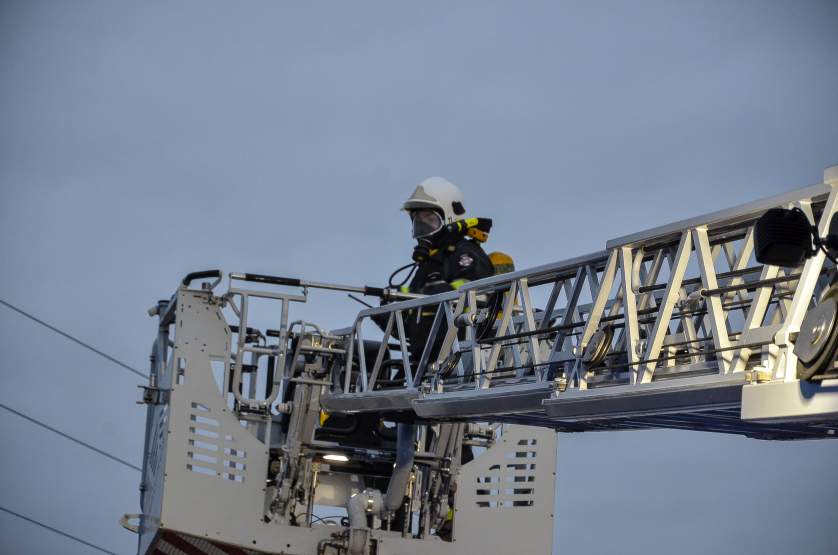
(680, 300)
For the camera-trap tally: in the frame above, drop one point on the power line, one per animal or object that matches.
(57, 531)
(71, 438)
(75, 340)
(62, 434)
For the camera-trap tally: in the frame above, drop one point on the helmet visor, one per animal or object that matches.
(425, 222)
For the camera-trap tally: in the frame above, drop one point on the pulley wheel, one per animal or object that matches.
(818, 337)
(598, 347)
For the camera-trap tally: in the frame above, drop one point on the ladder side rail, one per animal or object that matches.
(737, 215)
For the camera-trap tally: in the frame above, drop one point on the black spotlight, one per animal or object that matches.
(783, 237)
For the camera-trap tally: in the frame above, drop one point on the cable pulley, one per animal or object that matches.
(817, 341)
(598, 347)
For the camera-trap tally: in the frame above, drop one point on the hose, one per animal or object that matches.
(405, 450)
(412, 265)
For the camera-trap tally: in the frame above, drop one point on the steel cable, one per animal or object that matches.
(71, 438)
(57, 531)
(73, 339)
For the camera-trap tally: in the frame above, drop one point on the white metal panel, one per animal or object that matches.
(788, 401)
(505, 496)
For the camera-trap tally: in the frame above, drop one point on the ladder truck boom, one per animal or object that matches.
(675, 327)
(292, 439)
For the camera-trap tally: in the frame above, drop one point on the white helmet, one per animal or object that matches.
(434, 203)
(439, 194)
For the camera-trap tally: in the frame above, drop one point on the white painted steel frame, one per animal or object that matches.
(205, 472)
(656, 288)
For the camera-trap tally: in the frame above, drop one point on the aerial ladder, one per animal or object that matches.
(299, 440)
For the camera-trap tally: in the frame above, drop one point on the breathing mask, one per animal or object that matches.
(426, 222)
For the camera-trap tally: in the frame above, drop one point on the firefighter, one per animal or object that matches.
(447, 252)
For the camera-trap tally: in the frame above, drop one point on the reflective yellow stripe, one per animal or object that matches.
(404, 289)
(323, 417)
(457, 283)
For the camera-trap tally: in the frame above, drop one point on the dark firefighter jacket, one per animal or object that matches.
(448, 267)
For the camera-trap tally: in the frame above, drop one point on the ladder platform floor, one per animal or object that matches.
(702, 403)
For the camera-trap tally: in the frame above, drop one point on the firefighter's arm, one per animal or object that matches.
(436, 284)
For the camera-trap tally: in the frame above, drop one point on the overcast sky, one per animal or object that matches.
(142, 141)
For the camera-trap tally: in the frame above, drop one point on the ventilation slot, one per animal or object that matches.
(510, 485)
(208, 453)
(158, 439)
